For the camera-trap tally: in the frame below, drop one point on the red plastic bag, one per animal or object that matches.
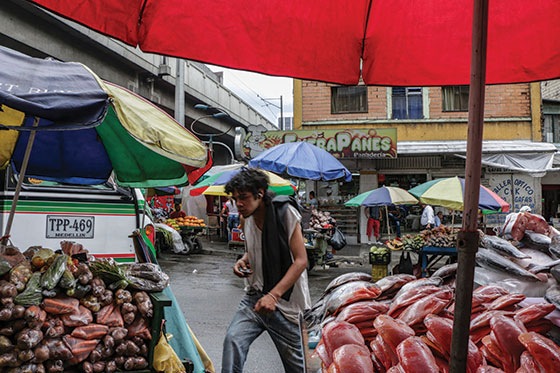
(139, 328)
(61, 305)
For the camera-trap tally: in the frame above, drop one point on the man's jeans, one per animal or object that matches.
(247, 325)
(232, 222)
(397, 222)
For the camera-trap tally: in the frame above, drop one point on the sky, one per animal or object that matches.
(260, 91)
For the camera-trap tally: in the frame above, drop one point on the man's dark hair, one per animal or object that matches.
(247, 180)
(312, 194)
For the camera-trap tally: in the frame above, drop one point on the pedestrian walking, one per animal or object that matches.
(274, 266)
(232, 214)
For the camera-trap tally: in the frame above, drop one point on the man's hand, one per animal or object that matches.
(266, 305)
(242, 269)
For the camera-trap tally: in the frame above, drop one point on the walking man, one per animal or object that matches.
(230, 210)
(274, 268)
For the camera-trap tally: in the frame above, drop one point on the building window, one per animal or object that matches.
(551, 130)
(407, 103)
(455, 98)
(349, 99)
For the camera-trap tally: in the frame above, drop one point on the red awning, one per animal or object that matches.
(406, 43)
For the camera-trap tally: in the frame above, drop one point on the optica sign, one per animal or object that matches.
(366, 143)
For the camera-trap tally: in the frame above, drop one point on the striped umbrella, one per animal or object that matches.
(449, 193)
(383, 196)
(215, 184)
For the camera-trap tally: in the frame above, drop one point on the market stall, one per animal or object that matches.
(114, 134)
(404, 323)
(66, 311)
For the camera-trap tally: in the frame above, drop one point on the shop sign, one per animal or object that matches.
(372, 143)
(518, 190)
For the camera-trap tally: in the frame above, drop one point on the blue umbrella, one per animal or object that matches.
(303, 160)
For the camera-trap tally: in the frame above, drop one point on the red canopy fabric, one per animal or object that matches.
(407, 42)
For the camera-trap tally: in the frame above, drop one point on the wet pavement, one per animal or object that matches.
(209, 293)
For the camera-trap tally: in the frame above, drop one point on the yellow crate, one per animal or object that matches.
(378, 271)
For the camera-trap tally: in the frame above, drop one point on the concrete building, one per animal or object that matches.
(38, 33)
(431, 128)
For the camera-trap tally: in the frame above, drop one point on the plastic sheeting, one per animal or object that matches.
(535, 163)
(182, 341)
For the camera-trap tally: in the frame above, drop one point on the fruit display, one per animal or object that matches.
(173, 223)
(60, 314)
(321, 219)
(191, 221)
(187, 221)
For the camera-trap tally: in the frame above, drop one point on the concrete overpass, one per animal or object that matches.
(36, 32)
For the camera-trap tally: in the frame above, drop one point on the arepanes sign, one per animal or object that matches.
(348, 143)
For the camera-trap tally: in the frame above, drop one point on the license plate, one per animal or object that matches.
(70, 226)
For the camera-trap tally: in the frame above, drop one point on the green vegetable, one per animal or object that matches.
(53, 274)
(167, 236)
(4, 267)
(67, 281)
(81, 290)
(118, 285)
(110, 273)
(31, 296)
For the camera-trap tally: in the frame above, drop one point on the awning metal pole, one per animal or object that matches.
(20, 182)
(468, 239)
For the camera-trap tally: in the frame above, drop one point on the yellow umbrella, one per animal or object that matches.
(216, 186)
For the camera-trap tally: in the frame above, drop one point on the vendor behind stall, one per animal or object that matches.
(177, 213)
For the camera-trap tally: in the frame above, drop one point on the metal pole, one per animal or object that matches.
(388, 225)
(282, 124)
(20, 182)
(180, 92)
(468, 239)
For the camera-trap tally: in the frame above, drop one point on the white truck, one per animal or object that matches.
(100, 217)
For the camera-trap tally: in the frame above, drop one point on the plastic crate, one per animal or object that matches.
(382, 259)
(378, 271)
(237, 235)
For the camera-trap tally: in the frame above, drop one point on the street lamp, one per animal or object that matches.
(219, 114)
